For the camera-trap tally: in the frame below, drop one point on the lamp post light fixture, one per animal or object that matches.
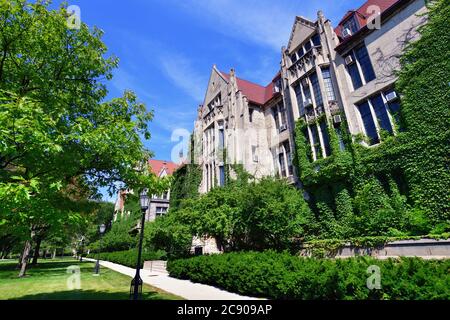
(102, 229)
(136, 283)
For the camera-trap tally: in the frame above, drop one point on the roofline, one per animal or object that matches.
(365, 30)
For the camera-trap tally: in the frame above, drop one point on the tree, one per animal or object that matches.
(268, 214)
(55, 124)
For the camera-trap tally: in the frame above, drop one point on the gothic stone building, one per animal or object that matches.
(159, 204)
(326, 73)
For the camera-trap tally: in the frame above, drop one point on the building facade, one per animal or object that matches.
(159, 204)
(329, 77)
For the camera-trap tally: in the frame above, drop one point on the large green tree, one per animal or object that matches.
(267, 214)
(55, 123)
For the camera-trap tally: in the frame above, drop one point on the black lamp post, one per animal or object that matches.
(102, 229)
(81, 248)
(136, 283)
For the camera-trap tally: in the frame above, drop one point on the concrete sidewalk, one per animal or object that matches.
(182, 288)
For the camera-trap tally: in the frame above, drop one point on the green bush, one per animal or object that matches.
(129, 258)
(167, 234)
(283, 276)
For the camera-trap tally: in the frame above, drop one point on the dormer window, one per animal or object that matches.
(351, 24)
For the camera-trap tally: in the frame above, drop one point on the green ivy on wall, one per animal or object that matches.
(401, 185)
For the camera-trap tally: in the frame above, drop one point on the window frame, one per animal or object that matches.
(374, 117)
(359, 68)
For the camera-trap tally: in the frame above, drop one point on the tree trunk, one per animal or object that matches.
(24, 260)
(36, 251)
(54, 254)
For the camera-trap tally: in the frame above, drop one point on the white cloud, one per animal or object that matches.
(266, 22)
(180, 71)
(124, 79)
(172, 118)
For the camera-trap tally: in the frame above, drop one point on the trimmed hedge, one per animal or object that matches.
(129, 258)
(283, 276)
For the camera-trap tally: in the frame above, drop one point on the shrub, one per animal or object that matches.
(167, 234)
(283, 276)
(129, 258)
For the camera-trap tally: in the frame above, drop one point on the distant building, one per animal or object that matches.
(159, 204)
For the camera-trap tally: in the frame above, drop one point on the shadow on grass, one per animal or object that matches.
(48, 268)
(87, 295)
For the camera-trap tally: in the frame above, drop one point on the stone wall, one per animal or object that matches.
(424, 248)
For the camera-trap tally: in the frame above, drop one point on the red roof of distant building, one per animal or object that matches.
(157, 166)
(362, 15)
(255, 92)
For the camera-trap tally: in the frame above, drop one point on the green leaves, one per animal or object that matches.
(258, 215)
(282, 276)
(60, 140)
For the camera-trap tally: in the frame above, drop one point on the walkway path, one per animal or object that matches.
(182, 288)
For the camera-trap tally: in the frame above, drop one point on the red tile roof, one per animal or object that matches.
(362, 15)
(157, 166)
(255, 92)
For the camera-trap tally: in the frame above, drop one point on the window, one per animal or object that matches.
(364, 61)
(161, 211)
(369, 124)
(275, 117)
(165, 196)
(255, 153)
(394, 107)
(294, 58)
(221, 138)
(315, 141)
(287, 149)
(308, 46)
(354, 73)
(351, 24)
(282, 113)
(279, 114)
(306, 90)
(250, 114)
(298, 94)
(381, 113)
(341, 140)
(325, 137)
(316, 40)
(300, 52)
(217, 101)
(316, 88)
(326, 74)
(207, 177)
(282, 164)
(221, 176)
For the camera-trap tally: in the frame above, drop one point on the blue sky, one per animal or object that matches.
(167, 48)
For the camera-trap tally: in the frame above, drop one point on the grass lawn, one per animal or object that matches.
(48, 281)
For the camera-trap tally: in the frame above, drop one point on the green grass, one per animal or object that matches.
(48, 281)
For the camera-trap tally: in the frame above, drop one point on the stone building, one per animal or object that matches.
(159, 204)
(327, 75)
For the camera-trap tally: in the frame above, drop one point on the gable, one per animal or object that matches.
(302, 30)
(216, 85)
